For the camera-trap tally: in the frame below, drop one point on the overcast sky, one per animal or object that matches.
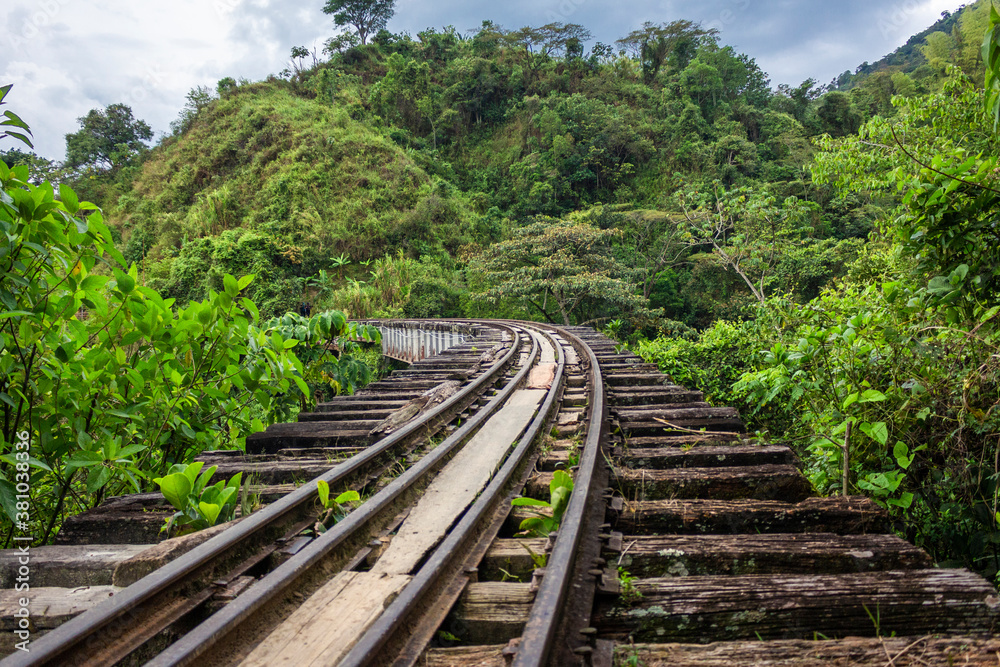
(66, 57)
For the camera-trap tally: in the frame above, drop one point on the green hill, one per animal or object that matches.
(955, 39)
(268, 181)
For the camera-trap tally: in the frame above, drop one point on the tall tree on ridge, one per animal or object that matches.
(108, 138)
(367, 16)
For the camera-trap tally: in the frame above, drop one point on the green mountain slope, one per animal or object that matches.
(273, 183)
(955, 39)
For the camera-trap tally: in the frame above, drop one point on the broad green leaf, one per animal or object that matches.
(69, 199)
(129, 450)
(97, 478)
(212, 494)
(235, 481)
(20, 137)
(877, 431)
(175, 488)
(560, 500)
(210, 511)
(324, 492)
(227, 496)
(560, 479)
(347, 497)
(32, 461)
(84, 459)
(203, 480)
(904, 501)
(871, 396)
(529, 502)
(191, 471)
(8, 499)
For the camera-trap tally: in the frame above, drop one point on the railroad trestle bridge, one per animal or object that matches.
(657, 533)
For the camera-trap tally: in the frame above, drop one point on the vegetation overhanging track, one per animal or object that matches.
(110, 631)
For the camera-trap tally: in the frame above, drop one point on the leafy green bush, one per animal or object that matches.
(712, 362)
(321, 336)
(336, 508)
(917, 396)
(198, 506)
(107, 376)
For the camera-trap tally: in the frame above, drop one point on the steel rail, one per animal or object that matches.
(101, 627)
(383, 640)
(218, 628)
(540, 632)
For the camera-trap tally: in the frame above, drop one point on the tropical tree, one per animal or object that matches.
(749, 232)
(655, 44)
(563, 270)
(366, 16)
(108, 138)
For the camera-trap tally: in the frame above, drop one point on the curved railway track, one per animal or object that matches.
(683, 543)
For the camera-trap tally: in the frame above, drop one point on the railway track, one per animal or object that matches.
(683, 542)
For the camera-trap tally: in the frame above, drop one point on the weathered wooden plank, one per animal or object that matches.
(627, 366)
(298, 435)
(847, 652)
(458, 484)
(635, 396)
(327, 453)
(400, 384)
(682, 439)
(779, 553)
(134, 568)
(704, 609)
(319, 428)
(413, 408)
(766, 482)
(50, 607)
(837, 514)
(137, 518)
(727, 424)
(626, 379)
(706, 456)
(67, 566)
(490, 612)
(541, 376)
(344, 415)
(112, 523)
(358, 403)
(328, 624)
(511, 558)
(271, 472)
(465, 656)
(668, 411)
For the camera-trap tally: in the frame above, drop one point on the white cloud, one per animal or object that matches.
(67, 58)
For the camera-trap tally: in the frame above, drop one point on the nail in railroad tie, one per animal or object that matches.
(536, 579)
(510, 650)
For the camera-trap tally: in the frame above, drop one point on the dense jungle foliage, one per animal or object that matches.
(823, 257)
